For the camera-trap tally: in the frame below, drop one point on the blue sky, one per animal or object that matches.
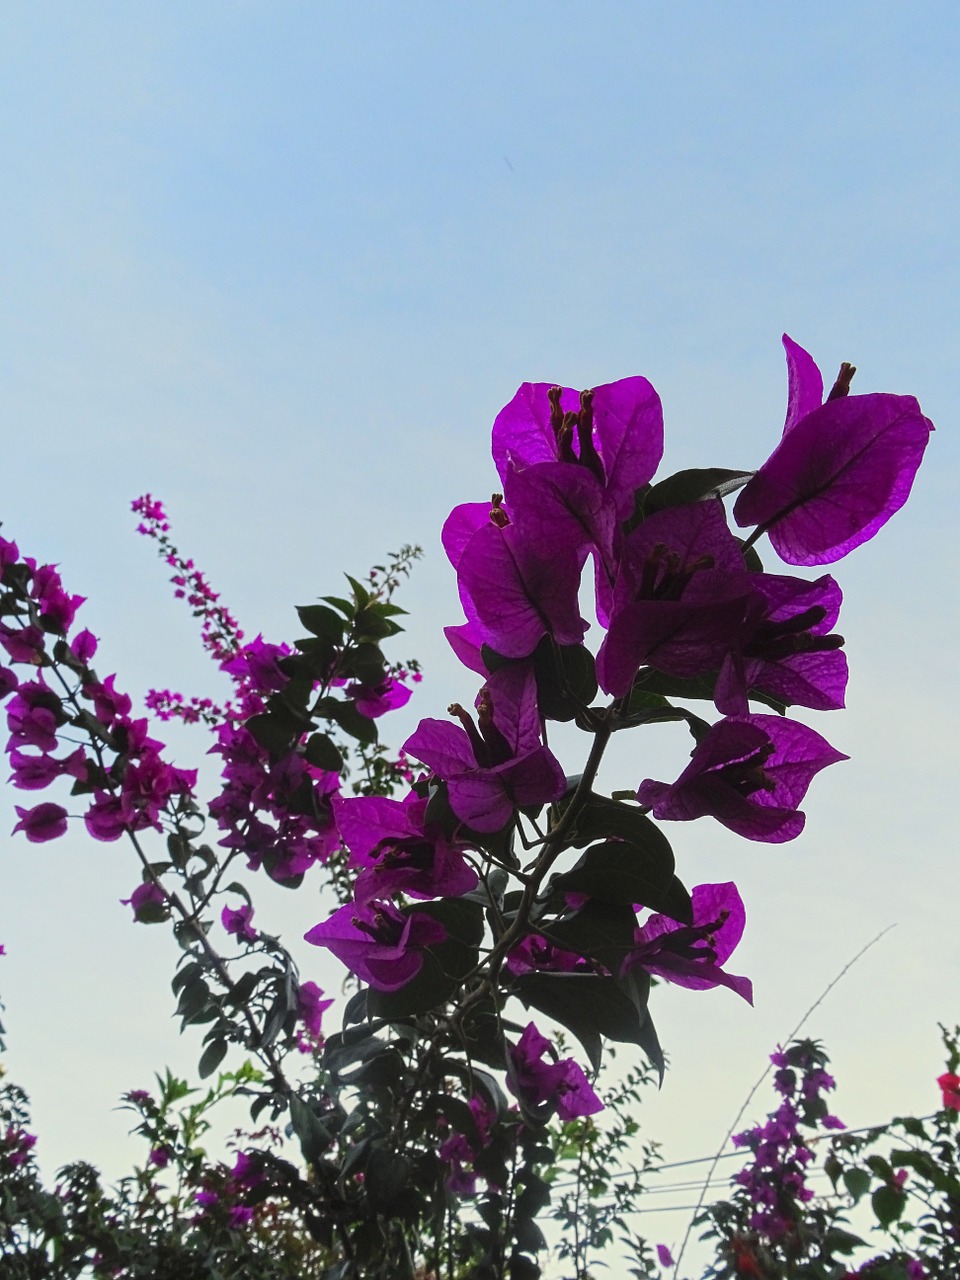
(281, 264)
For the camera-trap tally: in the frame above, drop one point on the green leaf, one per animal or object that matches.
(692, 485)
(274, 732)
(213, 1055)
(346, 607)
(193, 998)
(346, 715)
(650, 1044)
(888, 1204)
(178, 846)
(364, 662)
(857, 1182)
(322, 622)
(322, 752)
(360, 594)
(313, 1135)
(189, 971)
(387, 1177)
(372, 624)
(566, 679)
(587, 1004)
(600, 930)
(622, 871)
(648, 682)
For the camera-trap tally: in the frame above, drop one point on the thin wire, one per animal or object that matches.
(749, 1098)
(741, 1152)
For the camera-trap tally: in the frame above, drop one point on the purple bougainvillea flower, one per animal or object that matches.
(664, 1256)
(57, 608)
(614, 431)
(841, 470)
(397, 852)
(376, 700)
(535, 954)
(537, 1082)
(513, 595)
(33, 715)
(381, 945)
(312, 1008)
(692, 955)
(786, 647)
(498, 764)
(145, 899)
(237, 921)
(33, 773)
(257, 664)
(748, 772)
(23, 644)
(42, 823)
(466, 642)
(679, 598)
(562, 507)
(83, 646)
(106, 818)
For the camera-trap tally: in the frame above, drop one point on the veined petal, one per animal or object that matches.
(804, 383)
(837, 477)
(442, 746)
(628, 427)
(522, 432)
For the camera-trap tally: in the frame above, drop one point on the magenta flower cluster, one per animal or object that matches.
(775, 1182)
(681, 601)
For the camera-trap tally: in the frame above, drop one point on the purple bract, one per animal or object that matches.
(502, 765)
(749, 773)
(381, 945)
(839, 473)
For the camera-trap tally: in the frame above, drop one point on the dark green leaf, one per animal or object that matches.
(623, 871)
(599, 930)
(356, 1010)
(566, 680)
(313, 1135)
(371, 624)
(693, 485)
(346, 607)
(387, 1176)
(322, 622)
(212, 1056)
(857, 1182)
(589, 1005)
(274, 732)
(360, 594)
(346, 715)
(888, 1204)
(322, 752)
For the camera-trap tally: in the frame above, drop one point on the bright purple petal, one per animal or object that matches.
(749, 773)
(41, 823)
(836, 477)
(628, 427)
(805, 383)
(516, 597)
(522, 432)
(442, 746)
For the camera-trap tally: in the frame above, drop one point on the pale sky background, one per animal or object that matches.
(281, 264)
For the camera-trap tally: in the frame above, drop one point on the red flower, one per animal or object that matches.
(950, 1087)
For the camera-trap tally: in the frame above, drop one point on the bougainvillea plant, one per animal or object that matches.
(499, 892)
